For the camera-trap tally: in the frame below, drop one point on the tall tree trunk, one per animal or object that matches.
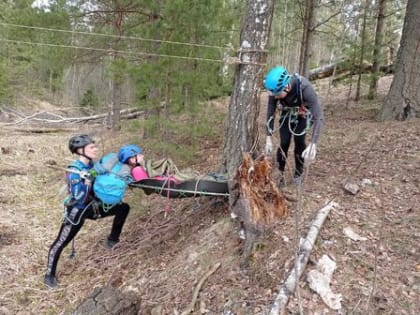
(403, 99)
(362, 49)
(115, 119)
(241, 125)
(307, 37)
(241, 133)
(377, 49)
(116, 105)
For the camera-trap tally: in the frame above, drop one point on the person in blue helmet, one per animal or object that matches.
(82, 205)
(299, 106)
(132, 155)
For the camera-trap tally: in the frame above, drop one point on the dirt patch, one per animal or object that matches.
(168, 246)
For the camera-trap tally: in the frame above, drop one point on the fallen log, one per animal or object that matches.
(345, 68)
(305, 249)
(48, 117)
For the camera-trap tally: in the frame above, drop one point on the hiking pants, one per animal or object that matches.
(285, 138)
(74, 222)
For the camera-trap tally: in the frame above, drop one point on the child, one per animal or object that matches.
(132, 155)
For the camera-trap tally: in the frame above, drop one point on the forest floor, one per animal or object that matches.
(163, 255)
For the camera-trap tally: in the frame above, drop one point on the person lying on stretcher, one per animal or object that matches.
(132, 155)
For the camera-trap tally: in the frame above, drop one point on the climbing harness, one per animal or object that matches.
(292, 114)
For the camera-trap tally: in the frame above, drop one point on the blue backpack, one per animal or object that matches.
(112, 180)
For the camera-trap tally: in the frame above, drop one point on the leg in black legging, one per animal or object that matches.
(67, 232)
(120, 212)
(285, 138)
(300, 146)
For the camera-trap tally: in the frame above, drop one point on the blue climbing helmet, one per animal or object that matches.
(128, 151)
(276, 80)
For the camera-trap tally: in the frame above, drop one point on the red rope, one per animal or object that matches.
(168, 202)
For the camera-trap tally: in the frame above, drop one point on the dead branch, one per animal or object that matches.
(289, 286)
(48, 117)
(197, 289)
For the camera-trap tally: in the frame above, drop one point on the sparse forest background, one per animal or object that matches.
(167, 57)
(174, 65)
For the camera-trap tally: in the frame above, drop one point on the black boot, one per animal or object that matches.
(109, 244)
(282, 182)
(50, 281)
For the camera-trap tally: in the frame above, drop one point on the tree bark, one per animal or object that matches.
(403, 101)
(362, 50)
(241, 125)
(377, 49)
(307, 37)
(241, 129)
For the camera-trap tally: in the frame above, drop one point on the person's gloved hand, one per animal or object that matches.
(268, 145)
(310, 152)
(86, 177)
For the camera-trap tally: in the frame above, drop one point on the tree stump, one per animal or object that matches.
(256, 200)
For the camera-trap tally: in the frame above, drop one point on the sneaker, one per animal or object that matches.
(109, 244)
(50, 281)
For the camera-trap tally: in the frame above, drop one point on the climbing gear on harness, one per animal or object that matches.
(291, 114)
(276, 80)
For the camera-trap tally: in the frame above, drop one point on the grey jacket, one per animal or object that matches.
(301, 93)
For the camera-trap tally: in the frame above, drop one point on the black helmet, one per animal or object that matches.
(79, 141)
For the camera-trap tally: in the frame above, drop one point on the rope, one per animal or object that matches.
(114, 36)
(168, 200)
(121, 52)
(290, 117)
(226, 60)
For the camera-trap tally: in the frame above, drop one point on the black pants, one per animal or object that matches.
(286, 129)
(71, 226)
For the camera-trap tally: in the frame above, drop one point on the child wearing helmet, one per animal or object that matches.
(82, 205)
(132, 155)
(297, 101)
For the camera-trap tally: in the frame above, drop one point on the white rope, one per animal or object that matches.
(227, 60)
(122, 52)
(113, 36)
